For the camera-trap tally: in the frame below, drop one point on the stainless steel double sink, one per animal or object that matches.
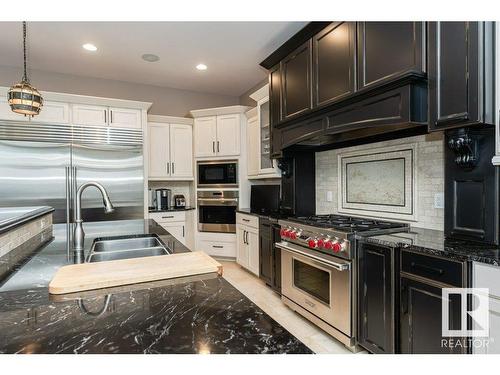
(126, 247)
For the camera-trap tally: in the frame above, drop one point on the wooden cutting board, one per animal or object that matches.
(89, 276)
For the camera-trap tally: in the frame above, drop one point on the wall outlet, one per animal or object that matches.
(439, 200)
(329, 196)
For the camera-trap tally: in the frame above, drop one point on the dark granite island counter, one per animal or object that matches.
(202, 314)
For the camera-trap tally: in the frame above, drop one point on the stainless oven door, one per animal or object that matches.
(217, 215)
(318, 284)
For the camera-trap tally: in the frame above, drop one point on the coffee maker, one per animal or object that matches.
(163, 199)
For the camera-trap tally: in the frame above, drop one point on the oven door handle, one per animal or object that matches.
(218, 201)
(329, 263)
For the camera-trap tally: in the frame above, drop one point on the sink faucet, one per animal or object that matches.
(79, 234)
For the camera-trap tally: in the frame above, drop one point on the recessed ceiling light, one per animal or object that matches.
(201, 67)
(149, 57)
(89, 47)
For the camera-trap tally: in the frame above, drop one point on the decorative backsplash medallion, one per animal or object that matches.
(378, 182)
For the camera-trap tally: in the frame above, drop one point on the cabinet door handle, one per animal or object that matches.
(213, 147)
(173, 168)
(183, 232)
(217, 246)
(168, 168)
(111, 116)
(105, 117)
(218, 148)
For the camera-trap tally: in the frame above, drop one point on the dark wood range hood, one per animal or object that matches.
(335, 84)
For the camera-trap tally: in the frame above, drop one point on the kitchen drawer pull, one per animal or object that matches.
(422, 267)
(217, 246)
(167, 217)
(247, 220)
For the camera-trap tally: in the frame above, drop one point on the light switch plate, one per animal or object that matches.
(329, 196)
(439, 200)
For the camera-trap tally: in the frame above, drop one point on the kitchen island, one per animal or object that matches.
(201, 314)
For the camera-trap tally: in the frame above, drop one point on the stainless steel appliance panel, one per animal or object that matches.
(35, 174)
(120, 170)
(217, 211)
(317, 283)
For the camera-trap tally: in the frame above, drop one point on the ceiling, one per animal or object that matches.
(231, 50)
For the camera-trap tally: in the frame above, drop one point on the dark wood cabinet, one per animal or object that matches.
(460, 74)
(296, 82)
(388, 50)
(421, 309)
(472, 185)
(334, 63)
(423, 278)
(378, 298)
(275, 94)
(265, 251)
(270, 255)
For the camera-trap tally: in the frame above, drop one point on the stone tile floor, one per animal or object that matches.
(269, 301)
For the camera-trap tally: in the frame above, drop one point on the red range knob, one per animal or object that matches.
(336, 247)
(327, 245)
(321, 243)
(282, 232)
(293, 235)
(312, 243)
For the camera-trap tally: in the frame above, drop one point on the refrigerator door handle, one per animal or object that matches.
(68, 194)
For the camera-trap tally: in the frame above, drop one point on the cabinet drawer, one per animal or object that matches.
(216, 248)
(162, 217)
(248, 220)
(487, 276)
(437, 269)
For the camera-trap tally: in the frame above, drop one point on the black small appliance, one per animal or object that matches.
(265, 199)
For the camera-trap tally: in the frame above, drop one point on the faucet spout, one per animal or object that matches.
(79, 234)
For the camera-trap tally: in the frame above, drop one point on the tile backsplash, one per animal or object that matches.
(430, 178)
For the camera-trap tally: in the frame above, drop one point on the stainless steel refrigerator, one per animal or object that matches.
(43, 165)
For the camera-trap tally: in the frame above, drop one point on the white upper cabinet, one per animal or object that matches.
(218, 131)
(228, 135)
(205, 129)
(70, 109)
(253, 146)
(53, 113)
(159, 150)
(95, 115)
(259, 139)
(170, 151)
(125, 118)
(181, 150)
(90, 115)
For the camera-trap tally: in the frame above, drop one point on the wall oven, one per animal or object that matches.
(319, 287)
(217, 211)
(217, 174)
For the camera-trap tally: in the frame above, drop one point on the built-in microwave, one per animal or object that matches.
(218, 174)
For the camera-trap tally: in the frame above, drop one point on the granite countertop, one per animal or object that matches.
(201, 314)
(188, 208)
(275, 215)
(433, 242)
(11, 217)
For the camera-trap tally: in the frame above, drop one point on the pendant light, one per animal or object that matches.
(24, 98)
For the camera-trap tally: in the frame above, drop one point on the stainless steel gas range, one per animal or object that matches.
(318, 269)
